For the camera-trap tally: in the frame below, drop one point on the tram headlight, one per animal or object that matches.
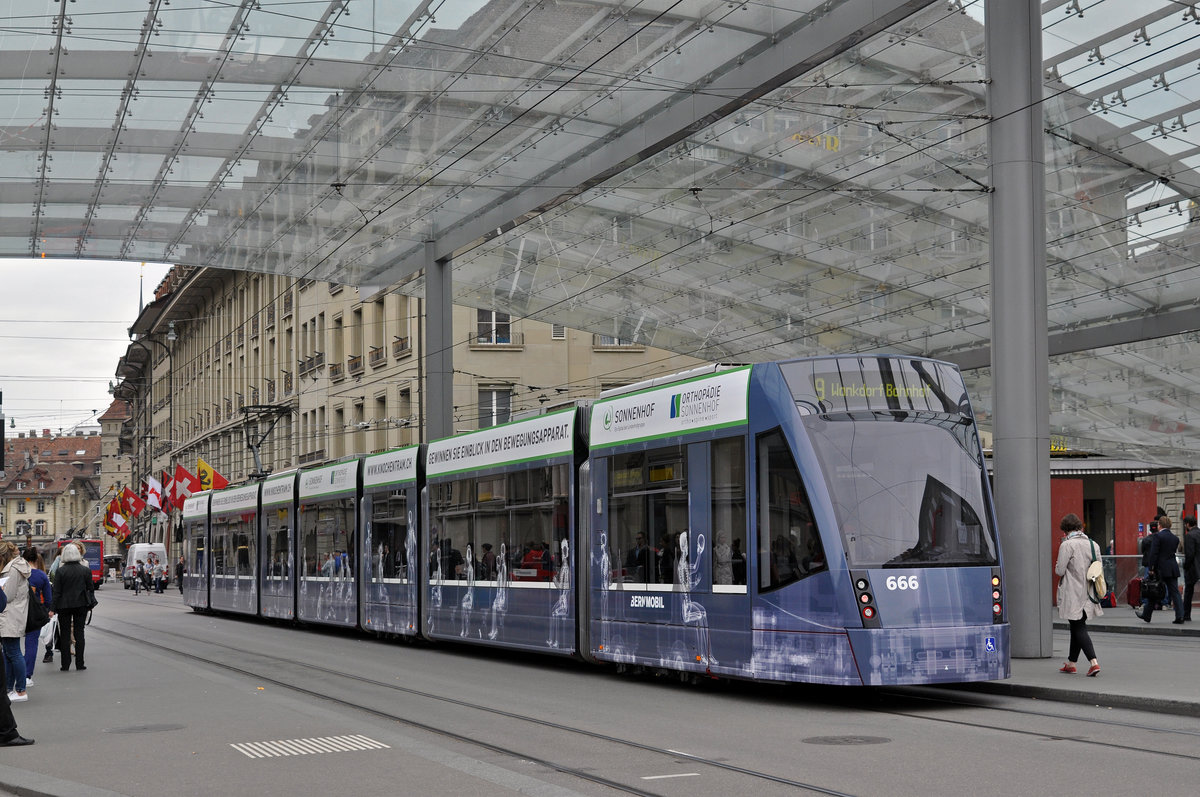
(996, 608)
(868, 612)
(861, 584)
(995, 594)
(865, 597)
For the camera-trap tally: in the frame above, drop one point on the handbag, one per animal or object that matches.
(1097, 587)
(37, 615)
(1153, 590)
(91, 599)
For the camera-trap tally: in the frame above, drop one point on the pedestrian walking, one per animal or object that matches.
(1191, 564)
(1075, 554)
(179, 568)
(14, 571)
(9, 736)
(42, 591)
(73, 597)
(1161, 562)
(159, 572)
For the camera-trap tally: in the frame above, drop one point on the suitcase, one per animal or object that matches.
(1133, 594)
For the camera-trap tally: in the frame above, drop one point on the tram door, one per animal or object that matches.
(277, 548)
(195, 547)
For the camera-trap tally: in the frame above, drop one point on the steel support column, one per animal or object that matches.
(438, 396)
(1020, 364)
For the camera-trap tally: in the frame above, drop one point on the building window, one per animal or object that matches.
(20, 507)
(493, 327)
(495, 404)
(41, 507)
(39, 527)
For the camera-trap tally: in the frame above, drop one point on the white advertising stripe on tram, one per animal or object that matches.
(310, 746)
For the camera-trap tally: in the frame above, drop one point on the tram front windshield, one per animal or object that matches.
(900, 456)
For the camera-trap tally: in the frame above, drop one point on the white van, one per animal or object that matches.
(143, 550)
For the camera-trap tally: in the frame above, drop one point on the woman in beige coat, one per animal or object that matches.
(1075, 554)
(14, 571)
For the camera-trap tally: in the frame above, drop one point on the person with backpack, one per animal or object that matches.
(1075, 555)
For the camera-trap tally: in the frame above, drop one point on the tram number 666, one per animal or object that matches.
(902, 582)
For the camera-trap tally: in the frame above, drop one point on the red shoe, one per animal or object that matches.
(1069, 668)
(1094, 670)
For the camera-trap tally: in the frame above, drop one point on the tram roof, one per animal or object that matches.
(740, 181)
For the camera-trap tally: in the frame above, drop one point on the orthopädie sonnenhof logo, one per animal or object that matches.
(701, 402)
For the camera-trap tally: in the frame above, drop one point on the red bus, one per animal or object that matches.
(93, 554)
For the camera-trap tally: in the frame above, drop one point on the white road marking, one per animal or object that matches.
(680, 775)
(311, 746)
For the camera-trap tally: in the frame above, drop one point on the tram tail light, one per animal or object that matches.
(997, 597)
(866, 601)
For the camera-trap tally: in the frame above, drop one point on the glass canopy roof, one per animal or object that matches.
(735, 180)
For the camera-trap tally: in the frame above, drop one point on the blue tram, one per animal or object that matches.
(823, 520)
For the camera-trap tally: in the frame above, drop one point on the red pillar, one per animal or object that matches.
(1191, 497)
(1066, 495)
(1133, 503)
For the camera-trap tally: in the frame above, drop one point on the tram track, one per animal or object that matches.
(1087, 721)
(264, 675)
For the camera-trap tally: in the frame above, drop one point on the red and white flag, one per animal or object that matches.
(153, 489)
(115, 521)
(131, 505)
(167, 483)
(184, 484)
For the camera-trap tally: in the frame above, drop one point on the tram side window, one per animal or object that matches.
(327, 536)
(450, 507)
(196, 551)
(278, 556)
(245, 549)
(647, 510)
(728, 478)
(389, 536)
(789, 546)
(520, 516)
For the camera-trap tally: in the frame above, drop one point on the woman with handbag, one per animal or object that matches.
(42, 594)
(1075, 555)
(72, 599)
(14, 571)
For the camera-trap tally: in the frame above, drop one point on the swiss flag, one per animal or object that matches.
(131, 505)
(184, 484)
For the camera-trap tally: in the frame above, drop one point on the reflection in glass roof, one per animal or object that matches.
(735, 180)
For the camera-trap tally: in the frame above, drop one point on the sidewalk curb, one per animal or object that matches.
(1142, 628)
(1157, 705)
(37, 784)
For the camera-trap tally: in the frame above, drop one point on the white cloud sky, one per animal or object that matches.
(63, 326)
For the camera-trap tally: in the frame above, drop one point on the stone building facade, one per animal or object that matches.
(314, 372)
(51, 486)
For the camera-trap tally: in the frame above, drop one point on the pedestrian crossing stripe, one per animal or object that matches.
(312, 746)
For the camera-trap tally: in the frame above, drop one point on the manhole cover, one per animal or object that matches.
(846, 740)
(144, 728)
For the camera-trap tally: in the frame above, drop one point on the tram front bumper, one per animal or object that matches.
(930, 655)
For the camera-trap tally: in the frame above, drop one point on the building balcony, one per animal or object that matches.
(336, 372)
(497, 339)
(354, 364)
(377, 356)
(401, 347)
